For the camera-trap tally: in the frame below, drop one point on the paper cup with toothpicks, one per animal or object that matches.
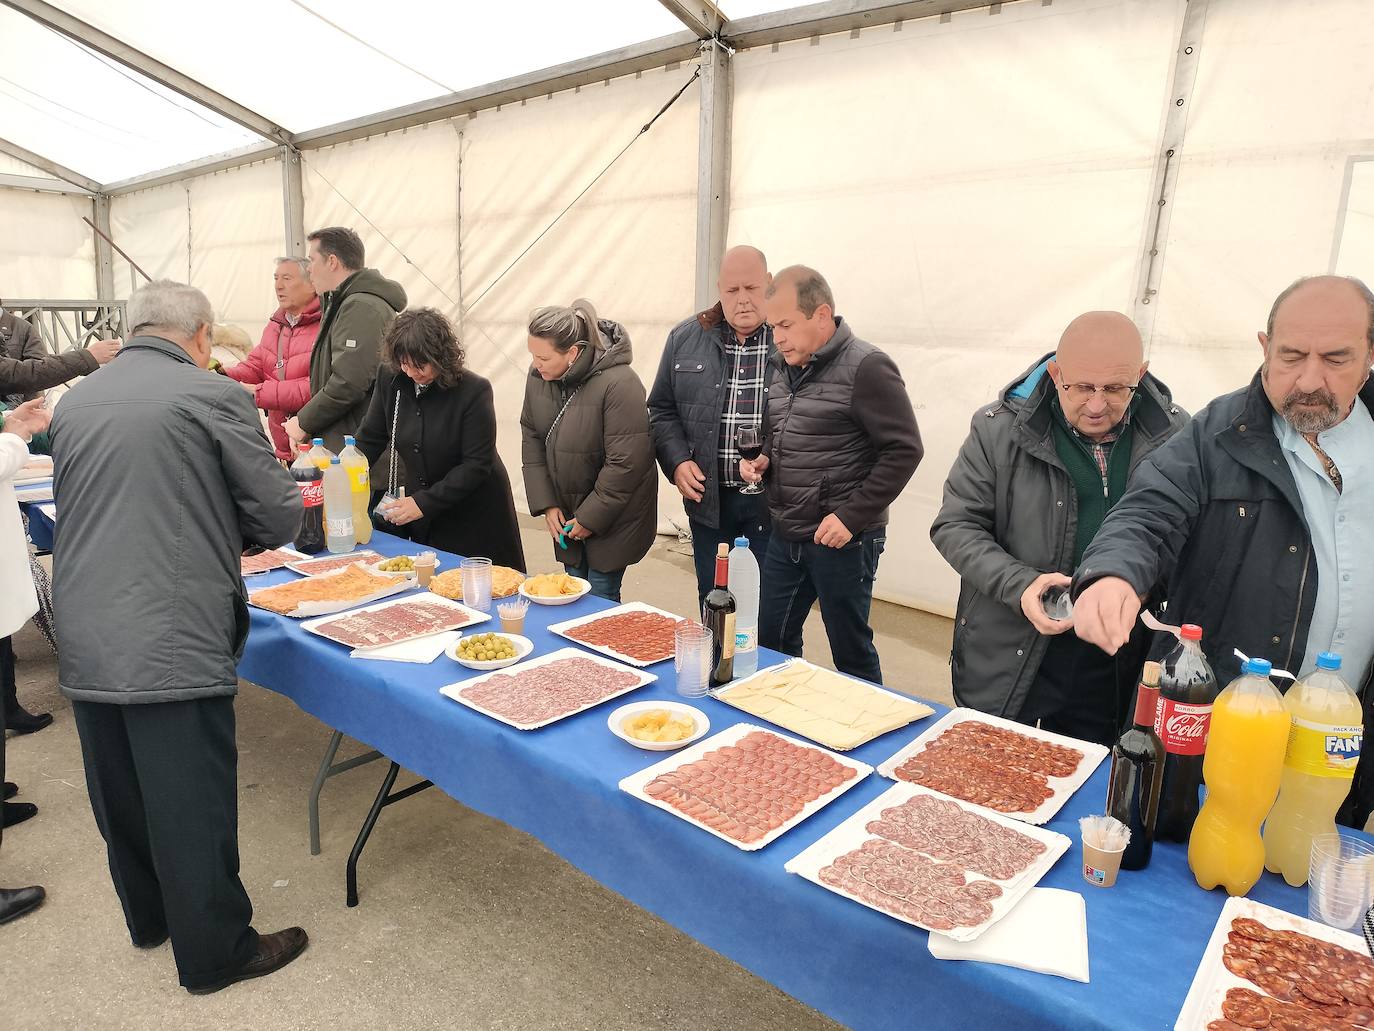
(1104, 840)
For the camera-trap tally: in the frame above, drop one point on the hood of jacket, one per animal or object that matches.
(310, 314)
(370, 281)
(614, 349)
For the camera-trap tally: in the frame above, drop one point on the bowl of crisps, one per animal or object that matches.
(554, 589)
(658, 726)
(489, 650)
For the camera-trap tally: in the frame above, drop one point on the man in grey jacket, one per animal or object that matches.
(1040, 469)
(163, 476)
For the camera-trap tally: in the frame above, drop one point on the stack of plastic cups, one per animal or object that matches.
(692, 658)
(1340, 887)
(477, 583)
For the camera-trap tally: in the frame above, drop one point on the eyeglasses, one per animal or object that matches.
(1116, 393)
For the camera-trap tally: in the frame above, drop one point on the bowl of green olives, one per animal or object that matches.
(489, 650)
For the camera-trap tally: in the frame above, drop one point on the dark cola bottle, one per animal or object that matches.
(310, 479)
(1187, 689)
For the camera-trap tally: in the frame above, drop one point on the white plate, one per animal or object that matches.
(920, 710)
(1063, 787)
(328, 608)
(701, 725)
(561, 629)
(562, 599)
(635, 783)
(305, 567)
(523, 646)
(1212, 980)
(452, 690)
(285, 550)
(851, 835)
(473, 616)
(376, 567)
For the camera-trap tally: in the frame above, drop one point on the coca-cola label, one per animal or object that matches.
(1182, 726)
(313, 494)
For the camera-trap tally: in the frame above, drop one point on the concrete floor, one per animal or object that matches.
(476, 927)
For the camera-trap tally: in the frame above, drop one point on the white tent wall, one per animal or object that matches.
(1282, 100)
(46, 251)
(627, 245)
(967, 187)
(219, 232)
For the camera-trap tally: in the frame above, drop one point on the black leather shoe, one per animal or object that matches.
(150, 942)
(11, 789)
(23, 722)
(18, 812)
(15, 902)
(274, 952)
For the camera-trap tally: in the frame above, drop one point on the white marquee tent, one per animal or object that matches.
(968, 175)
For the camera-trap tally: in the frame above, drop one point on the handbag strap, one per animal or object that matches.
(391, 479)
(558, 418)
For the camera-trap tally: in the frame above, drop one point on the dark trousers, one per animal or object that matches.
(741, 515)
(6, 670)
(1079, 691)
(797, 573)
(163, 785)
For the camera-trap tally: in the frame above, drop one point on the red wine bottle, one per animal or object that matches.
(718, 616)
(1137, 773)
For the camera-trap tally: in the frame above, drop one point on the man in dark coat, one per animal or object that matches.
(712, 379)
(1041, 467)
(26, 367)
(163, 476)
(1259, 515)
(842, 444)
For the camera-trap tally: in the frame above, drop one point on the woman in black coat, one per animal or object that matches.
(442, 419)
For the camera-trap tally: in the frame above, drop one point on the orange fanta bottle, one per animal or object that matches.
(1242, 769)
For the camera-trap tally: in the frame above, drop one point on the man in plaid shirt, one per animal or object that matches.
(712, 381)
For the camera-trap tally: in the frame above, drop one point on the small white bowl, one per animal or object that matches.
(376, 567)
(523, 647)
(701, 723)
(560, 599)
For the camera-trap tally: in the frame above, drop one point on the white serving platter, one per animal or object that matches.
(285, 550)
(1063, 787)
(635, 783)
(473, 617)
(561, 629)
(851, 835)
(452, 690)
(328, 608)
(1212, 980)
(324, 564)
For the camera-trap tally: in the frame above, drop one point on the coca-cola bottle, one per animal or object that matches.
(1137, 771)
(307, 474)
(1187, 688)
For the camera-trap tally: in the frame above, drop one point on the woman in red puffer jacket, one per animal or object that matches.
(277, 371)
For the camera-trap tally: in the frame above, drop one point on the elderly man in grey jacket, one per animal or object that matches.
(1041, 467)
(163, 475)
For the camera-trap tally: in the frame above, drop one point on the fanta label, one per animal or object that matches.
(1182, 726)
(1323, 749)
(357, 479)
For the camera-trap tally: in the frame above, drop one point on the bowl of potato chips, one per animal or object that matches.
(554, 588)
(658, 726)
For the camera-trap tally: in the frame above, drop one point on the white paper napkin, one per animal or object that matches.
(1047, 932)
(421, 650)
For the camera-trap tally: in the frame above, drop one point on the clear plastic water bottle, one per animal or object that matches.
(744, 585)
(338, 509)
(355, 464)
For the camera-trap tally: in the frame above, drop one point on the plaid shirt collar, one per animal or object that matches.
(746, 371)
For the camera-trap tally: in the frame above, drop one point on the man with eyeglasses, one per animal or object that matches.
(1037, 475)
(1259, 517)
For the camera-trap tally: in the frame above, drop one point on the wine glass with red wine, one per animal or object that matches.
(750, 443)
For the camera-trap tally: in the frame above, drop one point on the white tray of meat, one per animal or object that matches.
(636, 633)
(395, 621)
(1266, 968)
(931, 861)
(747, 785)
(266, 561)
(537, 692)
(37, 469)
(332, 563)
(1019, 771)
(347, 588)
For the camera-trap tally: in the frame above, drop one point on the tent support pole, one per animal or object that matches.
(293, 202)
(104, 259)
(713, 168)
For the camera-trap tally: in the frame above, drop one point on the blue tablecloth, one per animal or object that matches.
(40, 524)
(859, 967)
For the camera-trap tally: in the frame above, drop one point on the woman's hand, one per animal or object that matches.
(553, 519)
(578, 532)
(403, 511)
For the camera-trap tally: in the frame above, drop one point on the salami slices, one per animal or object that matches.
(646, 637)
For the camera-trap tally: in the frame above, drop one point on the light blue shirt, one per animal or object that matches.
(1342, 527)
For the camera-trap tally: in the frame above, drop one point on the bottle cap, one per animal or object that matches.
(723, 550)
(334, 460)
(302, 447)
(1328, 660)
(318, 442)
(741, 542)
(1190, 632)
(1259, 667)
(349, 441)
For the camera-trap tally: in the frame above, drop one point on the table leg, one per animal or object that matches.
(328, 768)
(384, 798)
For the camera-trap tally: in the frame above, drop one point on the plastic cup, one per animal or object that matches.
(512, 615)
(1340, 885)
(692, 659)
(477, 583)
(424, 567)
(1100, 867)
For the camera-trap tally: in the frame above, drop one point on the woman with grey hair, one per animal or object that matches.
(588, 456)
(441, 420)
